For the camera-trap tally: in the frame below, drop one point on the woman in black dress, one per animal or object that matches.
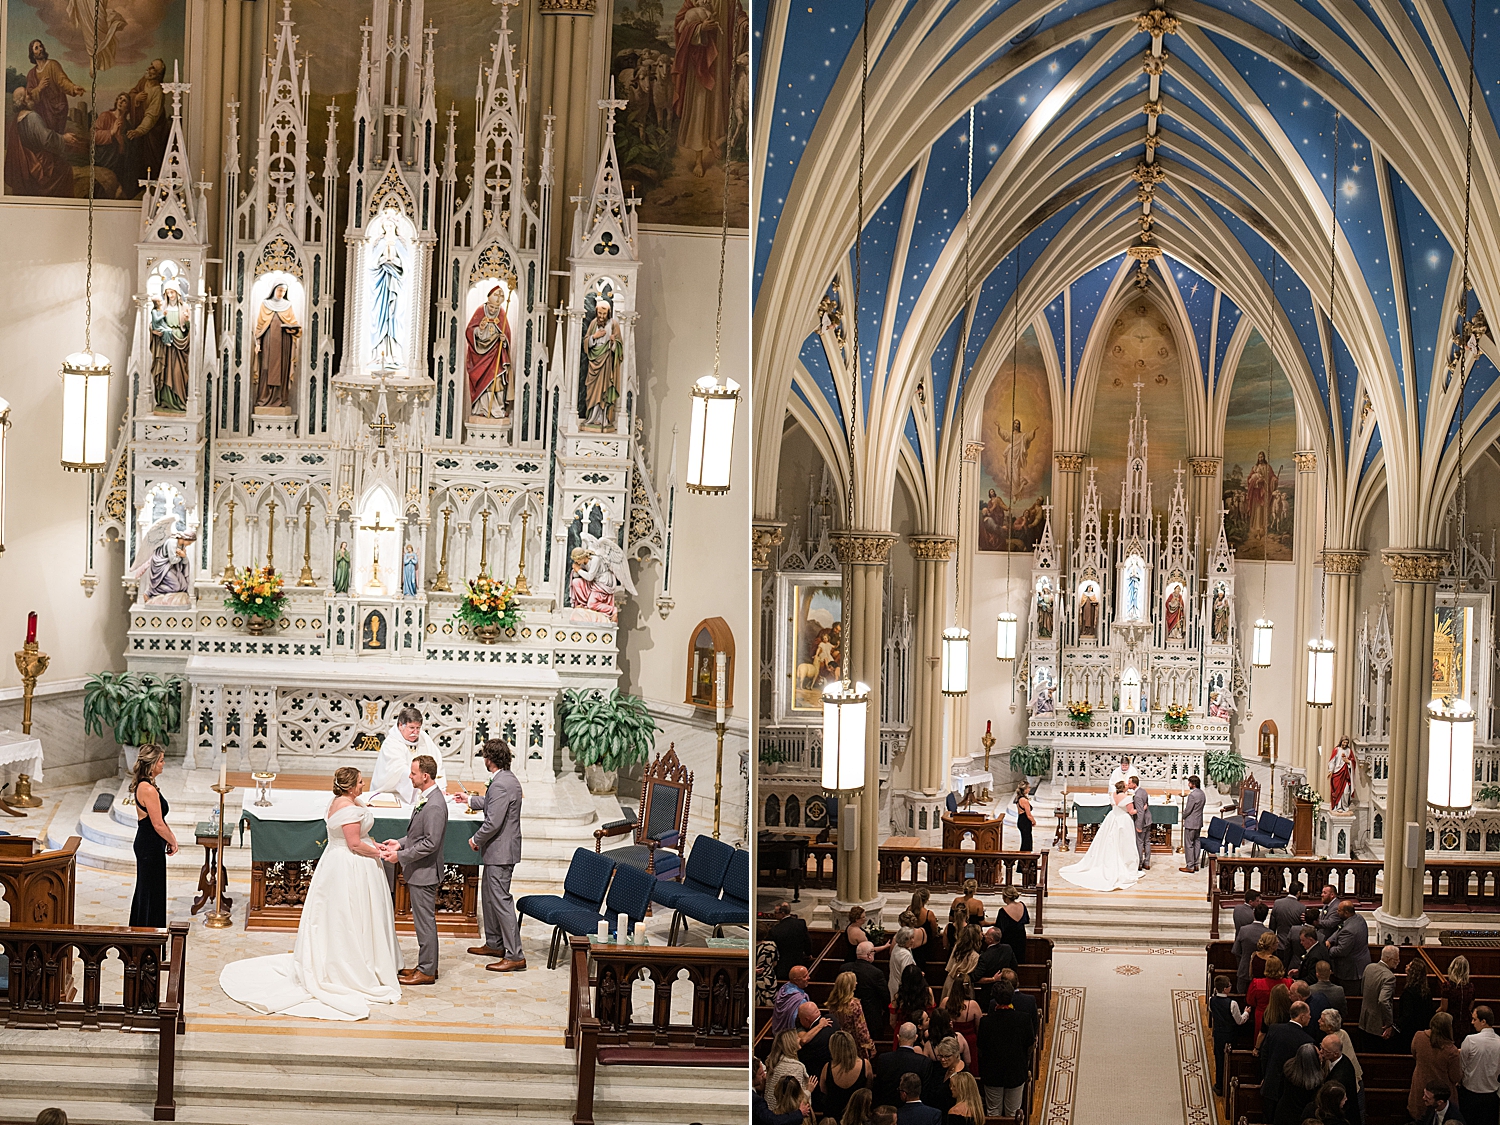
(1025, 819)
(154, 840)
(1010, 920)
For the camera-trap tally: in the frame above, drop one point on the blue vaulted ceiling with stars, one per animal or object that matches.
(1211, 142)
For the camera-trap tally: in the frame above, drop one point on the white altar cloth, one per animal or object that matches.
(20, 753)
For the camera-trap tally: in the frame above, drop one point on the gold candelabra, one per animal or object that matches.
(31, 662)
(306, 577)
(271, 535)
(229, 552)
(522, 586)
(441, 583)
(484, 542)
(718, 774)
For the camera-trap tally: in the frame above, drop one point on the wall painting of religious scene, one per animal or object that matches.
(1140, 347)
(815, 642)
(1260, 436)
(1015, 469)
(683, 69)
(47, 52)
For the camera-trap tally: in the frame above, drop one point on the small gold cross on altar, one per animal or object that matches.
(374, 586)
(380, 428)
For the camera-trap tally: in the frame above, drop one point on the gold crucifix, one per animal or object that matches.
(374, 586)
(380, 428)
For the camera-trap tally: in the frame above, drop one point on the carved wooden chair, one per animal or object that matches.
(661, 829)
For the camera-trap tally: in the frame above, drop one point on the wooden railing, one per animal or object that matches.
(37, 996)
(604, 1028)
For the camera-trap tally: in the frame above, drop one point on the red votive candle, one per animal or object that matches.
(31, 628)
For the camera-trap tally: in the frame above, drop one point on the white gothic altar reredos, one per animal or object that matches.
(381, 441)
(1126, 621)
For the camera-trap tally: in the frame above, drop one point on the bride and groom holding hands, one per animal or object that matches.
(1121, 849)
(346, 956)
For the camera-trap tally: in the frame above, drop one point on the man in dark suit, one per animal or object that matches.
(1341, 1070)
(1441, 1109)
(793, 946)
(890, 1066)
(995, 956)
(1286, 912)
(1024, 1001)
(1244, 913)
(1245, 939)
(420, 854)
(1005, 1039)
(1314, 949)
(1192, 823)
(912, 1111)
(871, 988)
(1349, 949)
(498, 842)
(815, 1033)
(1328, 911)
(1280, 1044)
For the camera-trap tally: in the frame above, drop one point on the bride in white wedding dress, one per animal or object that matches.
(1113, 860)
(346, 957)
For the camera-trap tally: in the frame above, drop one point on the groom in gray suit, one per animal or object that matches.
(420, 853)
(1140, 808)
(498, 842)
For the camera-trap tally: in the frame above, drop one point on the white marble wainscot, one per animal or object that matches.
(71, 757)
(1164, 757)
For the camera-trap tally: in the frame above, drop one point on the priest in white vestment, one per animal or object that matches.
(1123, 772)
(403, 742)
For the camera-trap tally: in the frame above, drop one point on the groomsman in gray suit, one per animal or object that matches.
(420, 853)
(1192, 823)
(1140, 805)
(498, 842)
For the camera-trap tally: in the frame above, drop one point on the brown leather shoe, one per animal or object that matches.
(405, 975)
(486, 951)
(1189, 870)
(419, 977)
(507, 967)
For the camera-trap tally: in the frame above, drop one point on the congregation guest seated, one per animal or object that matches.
(1258, 995)
(913, 1111)
(1332, 1105)
(970, 898)
(814, 1033)
(789, 997)
(939, 1027)
(1331, 1023)
(1314, 949)
(1460, 993)
(1438, 1060)
(849, 1015)
(1005, 1039)
(884, 1115)
(761, 1112)
(963, 1013)
(964, 959)
(783, 1061)
(1338, 1069)
(901, 959)
(871, 988)
(905, 1059)
(968, 1104)
(1349, 948)
(1265, 949)
(1376, 1016)
(1480, 1055)
(1280, 1044)
(1244, 913)
(1438, 1107)
(792, 944)
(845, 1075)
(995, 955)
(912, 998)
(1011, 921)
(1326, 994)
(958, 918)
(1302, 1074)
(792, 1097)
(854, 931)
(1246, 942)
(1415, 1006)
(1024, 1002)
(1227, 1018)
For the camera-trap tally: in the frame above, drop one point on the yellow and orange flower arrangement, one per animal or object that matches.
(255, 592)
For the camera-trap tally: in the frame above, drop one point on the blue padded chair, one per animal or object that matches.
(703, 877)
(730, 909)
(1214, 841)
(583, 890)
(1272, 832)
(1234, 837)
(629, 894)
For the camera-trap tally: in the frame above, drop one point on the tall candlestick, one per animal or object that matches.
(721, 662)
(31, 628)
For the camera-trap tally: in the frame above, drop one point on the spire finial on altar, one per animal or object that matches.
(176, 88)
(609, 105)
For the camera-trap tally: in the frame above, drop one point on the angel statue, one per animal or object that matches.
(161, 563)
(600, 573)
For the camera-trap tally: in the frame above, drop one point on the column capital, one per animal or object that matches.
(870, 548)
(932, 548)
(972, 450)
(765, 536)
(566, 7)
(1307, 460)
(1069, 462)
(1205, 466)
(1344, 561)
(1416, 566)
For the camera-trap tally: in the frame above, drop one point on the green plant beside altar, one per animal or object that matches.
(1081, 712)
(605, 733)
(1225, 768)
(1488, 796)
(137, 707)
(488, 608)
(255, 592)
(1176, 717)
(1032, 761)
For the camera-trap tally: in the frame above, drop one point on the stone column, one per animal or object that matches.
(1306, 534)
(932, 554)
(863, 555)
(1067, 494)
(1416, 573)
(1340, 569)
(1207, 499)
(765, 537)
(968, 542)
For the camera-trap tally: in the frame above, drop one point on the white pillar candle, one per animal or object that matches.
(721, 659)
(603, 930)
(223, 769)
(622, 927)
(640, 933)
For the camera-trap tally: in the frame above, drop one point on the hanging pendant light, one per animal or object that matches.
(1450, 754)
(1005, 636)
(85, 374)
(4, 425)
(1260, 647)
(1320, 653)
(955, 660)
(846, 707)
(711, 433)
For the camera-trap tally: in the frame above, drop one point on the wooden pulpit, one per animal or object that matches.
(38, 885)
(1302, 828)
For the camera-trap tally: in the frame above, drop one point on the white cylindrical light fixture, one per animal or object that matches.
(1450, 754)
(846, 708)
(711, 436)
(4, 425)
(1260, 646)
(1320, 652)
(955, 661)
(85, 441)
(1005, 636)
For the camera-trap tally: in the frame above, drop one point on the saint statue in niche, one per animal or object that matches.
(1341, 775)
(1221, 614)
(388, 272)
(341, 569)
(1175, 616)
(1044, 609)
(1088, 613)
(276, 337)
(487, 358)
(603, 352)
(171, 324)
(409, 571)
(1133, 595)
(161, 564)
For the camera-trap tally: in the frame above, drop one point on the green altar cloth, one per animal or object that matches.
(273, 841)
(1095, 814)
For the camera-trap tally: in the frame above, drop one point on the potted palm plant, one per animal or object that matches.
(137, 707)
(606, 732)
(1032, 761)
(1225, 768)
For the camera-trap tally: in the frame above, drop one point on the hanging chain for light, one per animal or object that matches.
(88, 271)
(723, 249)
(958, 403)
(1333, 241)
(1461, 338)
(1265, 558)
